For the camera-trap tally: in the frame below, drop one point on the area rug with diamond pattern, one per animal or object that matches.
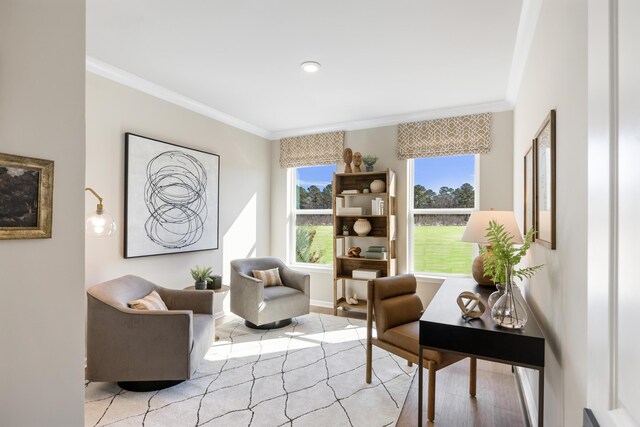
(310, 373)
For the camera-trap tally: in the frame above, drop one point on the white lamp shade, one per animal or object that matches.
(476, 230)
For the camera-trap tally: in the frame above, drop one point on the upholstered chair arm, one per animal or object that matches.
(246, 287)
(200, 302)
(296, 280)
(134, 345)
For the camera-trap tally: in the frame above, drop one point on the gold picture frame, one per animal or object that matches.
(529, 185)
(26, 197)
(544, 149)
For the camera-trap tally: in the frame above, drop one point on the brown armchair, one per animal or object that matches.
(397, 310)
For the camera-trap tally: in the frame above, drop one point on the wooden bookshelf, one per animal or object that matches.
(383, 232)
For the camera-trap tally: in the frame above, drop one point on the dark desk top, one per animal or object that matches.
(442, 327)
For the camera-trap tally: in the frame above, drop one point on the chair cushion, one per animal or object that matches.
(275, 292)
(407, 338)
(397, 310)
(149, 302)
(269, 277)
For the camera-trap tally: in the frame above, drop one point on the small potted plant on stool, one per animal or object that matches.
(201, 276)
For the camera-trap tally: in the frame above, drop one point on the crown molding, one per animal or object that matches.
(524, 38)
(490, 107)
(131, 80)
(125, 78)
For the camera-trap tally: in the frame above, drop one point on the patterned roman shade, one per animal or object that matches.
(311, 150)
(445, 137)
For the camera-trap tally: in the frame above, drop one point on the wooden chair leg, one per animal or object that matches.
(431, 402)
(368, 367)
(409, 363)
(473, 364)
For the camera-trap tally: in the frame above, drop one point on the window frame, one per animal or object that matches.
(411, 212)
(293, 213)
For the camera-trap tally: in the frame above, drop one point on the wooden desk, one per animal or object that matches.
(442, 328)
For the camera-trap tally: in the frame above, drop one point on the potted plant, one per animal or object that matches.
(201, 276)
(345, 230)
(365, 188)
(500, 258)
(369, 160)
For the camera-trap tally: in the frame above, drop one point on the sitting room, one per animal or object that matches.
(296, 213)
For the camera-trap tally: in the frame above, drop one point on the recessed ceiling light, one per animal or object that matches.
(310, 66)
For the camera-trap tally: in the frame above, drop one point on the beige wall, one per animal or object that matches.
(245, 162)
(42, 58)
(496, 176)
(556, 77)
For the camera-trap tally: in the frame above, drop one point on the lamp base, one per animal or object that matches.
(477, 271)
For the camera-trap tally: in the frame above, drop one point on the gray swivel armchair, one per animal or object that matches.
(146, 350)
(267, 307)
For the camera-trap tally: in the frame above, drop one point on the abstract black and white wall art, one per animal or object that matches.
(171, 198)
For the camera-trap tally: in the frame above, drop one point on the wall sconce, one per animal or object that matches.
(99, 223)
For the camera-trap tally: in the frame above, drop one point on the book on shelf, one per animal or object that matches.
(350, 192)
(377, 249)
(375, 255)
(377, 206)
(348, 211)
(365, 273)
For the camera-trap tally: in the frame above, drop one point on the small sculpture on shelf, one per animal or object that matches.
(357, 161)
(347, 156)
(352, 300)
(369, 160)
(354, 252)
(345, 230)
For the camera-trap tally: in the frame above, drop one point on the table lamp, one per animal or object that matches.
(476, 232)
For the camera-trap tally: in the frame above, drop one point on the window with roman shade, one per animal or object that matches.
(311, 150)
(445, 137)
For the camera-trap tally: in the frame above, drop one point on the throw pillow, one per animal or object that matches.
(269, 277)
(150, 302)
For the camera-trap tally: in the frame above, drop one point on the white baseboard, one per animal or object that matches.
(528, 398)
(321, 303)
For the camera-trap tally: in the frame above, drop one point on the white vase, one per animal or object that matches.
(362, 227)
(377, 186)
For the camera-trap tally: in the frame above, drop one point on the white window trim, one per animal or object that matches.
(293, 212)
(411, 212)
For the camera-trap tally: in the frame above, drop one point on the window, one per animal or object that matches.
(312, 214)
(443, 197)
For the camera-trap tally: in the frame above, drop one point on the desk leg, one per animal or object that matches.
(541, 397)
(420, 387)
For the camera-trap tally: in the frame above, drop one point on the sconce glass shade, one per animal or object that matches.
(99, 224)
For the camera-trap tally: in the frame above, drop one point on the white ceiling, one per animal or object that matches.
(382, 61)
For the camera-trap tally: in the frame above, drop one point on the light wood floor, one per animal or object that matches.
(497, 403)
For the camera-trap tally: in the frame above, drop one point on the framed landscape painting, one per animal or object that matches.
(544, 145)
(26, 197)
(171, 198)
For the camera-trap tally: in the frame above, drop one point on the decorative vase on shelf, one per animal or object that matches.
(496, 295)
(362, 227)
(507, 311)
(369, 168)
(377, 186)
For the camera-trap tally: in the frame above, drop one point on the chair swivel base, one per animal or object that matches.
(273, 325)
(142, 386)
